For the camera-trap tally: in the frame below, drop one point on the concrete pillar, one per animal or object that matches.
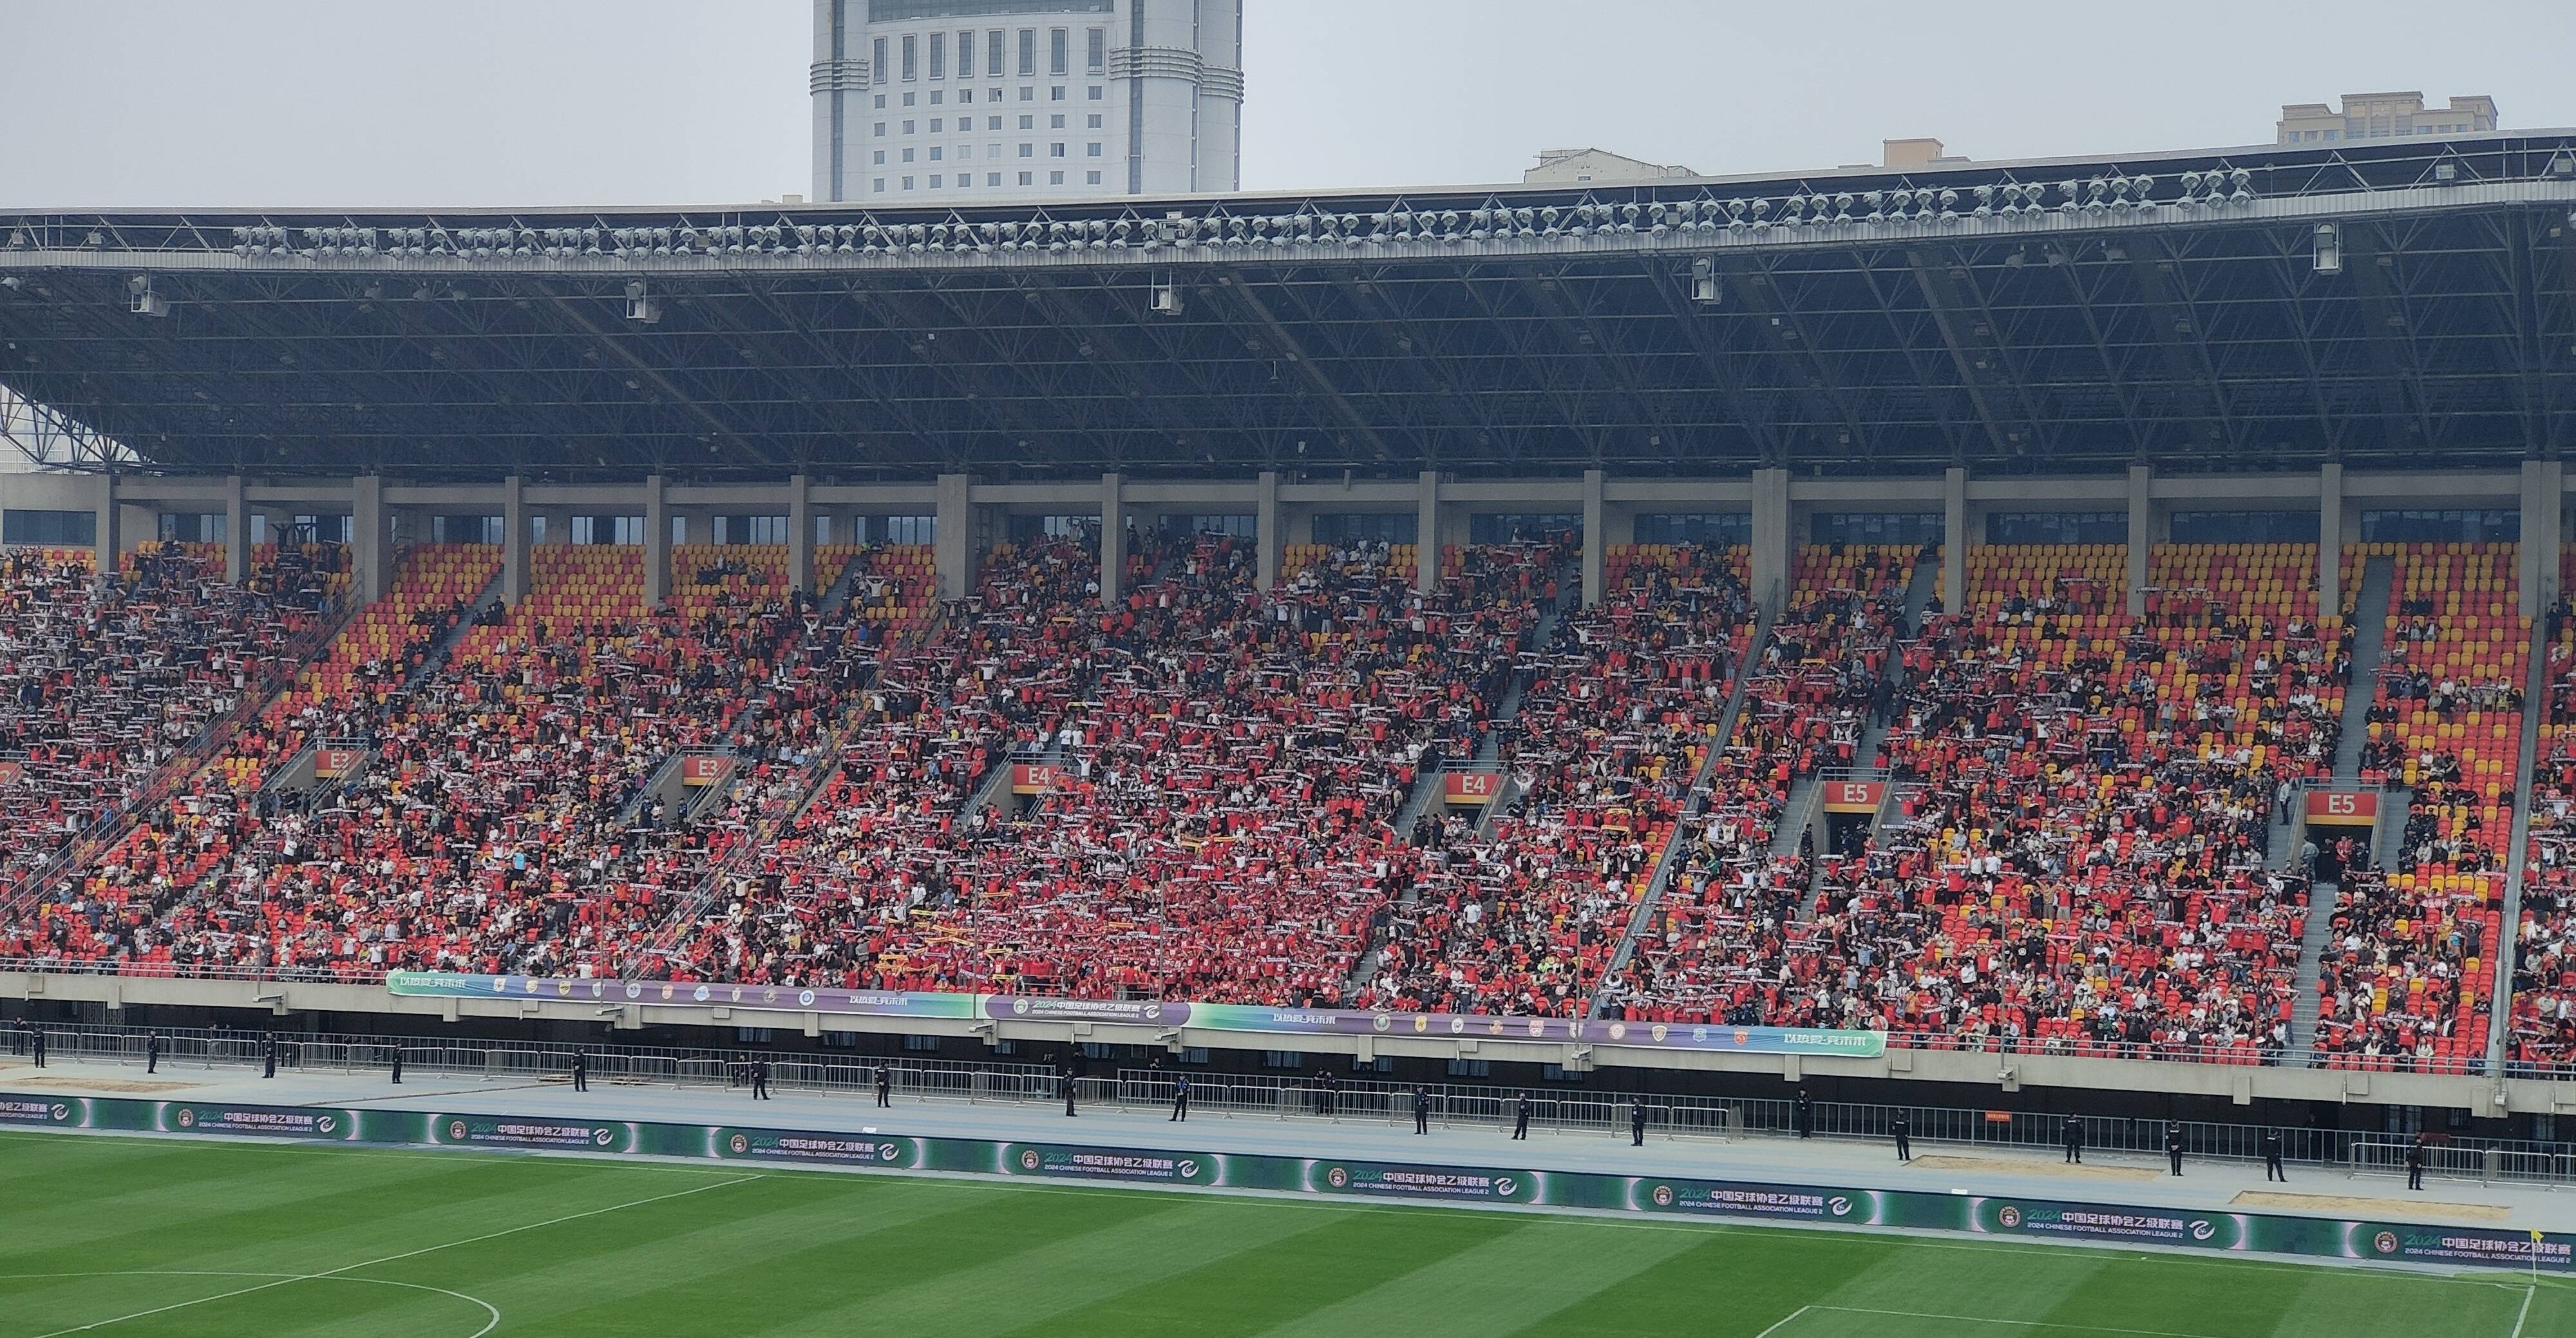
(370, 566)
(953, 548)
(800, 533)
(1954, 539)
(236, 531)
(2544, 510)
(2330, 539)
(2142, 532)
(657, 541)
(1426, 539)
(1269, 538)
(1773, 549)
(107, 538)
(1596, 537)
(514, 538)
(1113, 541)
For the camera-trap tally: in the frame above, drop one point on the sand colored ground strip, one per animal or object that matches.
(107, 1084)
(2034, 1166)
(2340, 1205)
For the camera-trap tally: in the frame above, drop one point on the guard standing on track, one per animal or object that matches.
(885, 1086)
(1636, 1121)
(1904, 1131)
(1806, 1109)
(1520, 1117)
(268, 1055)
(152, 1052)
(18, 1037)
(1180, 1099)
(2173, 1145)
(2272, 1158)
(2416, 1155)
(397, 1060)
(760, 1080)
(36, 1036)
(580, 1071)
(2074, 1135)
(1332, 1093)
(1065, 1076)
(1421, 1111)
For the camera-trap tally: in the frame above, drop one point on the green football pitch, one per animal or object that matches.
(144, 1237)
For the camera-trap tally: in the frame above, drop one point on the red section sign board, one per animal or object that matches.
(11, 771)
(704, 768)
(1034, 777)
(334, 763)
(1854, 796)
(2351, 808)
(1471, 787)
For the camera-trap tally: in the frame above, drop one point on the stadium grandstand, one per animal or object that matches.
(2061, 631)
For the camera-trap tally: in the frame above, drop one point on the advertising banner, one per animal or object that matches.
(2044, 1219)
(871, 1003)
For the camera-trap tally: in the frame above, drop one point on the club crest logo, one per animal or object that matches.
(1457, 1026)
(1618, 1031)
(1538, 1026)
(1659, 1032)
(1019, 1007)
(187, 1118)
(1381, 1022)
(1663, 1196)
(456, 1130)
(598, 989)
(805, 997)
(702, 994)
(1029, 1160)
(2385, 1242)
(634, 991)
(1338, 1178)
(1743, 1037)
(739, 1144)
(2009, 1218)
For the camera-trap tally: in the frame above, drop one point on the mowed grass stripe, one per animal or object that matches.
(1335, 1257)
(2333, 1305)
(787, 1281)
(1996, 1285)
(177, 1192)
(1732, 1283)
(1022, 1278)
(1503, 1285)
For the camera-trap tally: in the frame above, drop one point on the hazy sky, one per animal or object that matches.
(211, 103)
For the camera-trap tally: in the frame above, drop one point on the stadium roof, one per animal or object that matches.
(2393, 302)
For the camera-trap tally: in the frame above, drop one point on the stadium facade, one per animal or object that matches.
(2369, 345)
(972, 101)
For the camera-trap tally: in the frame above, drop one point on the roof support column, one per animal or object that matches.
(106, 537)
(1954, 539)
(1772, 549)
(1426, 536)
(370, 575)
(514, 538)
(2544, 511)
(236, 530)
(952, 555)
(800, 533)
(1596, 535)
(1269, 539)
(657, 542)
(1113, 540)
(2330, 540)
(2142, 531)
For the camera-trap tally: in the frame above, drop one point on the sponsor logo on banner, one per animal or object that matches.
(27, 1110)
(2469, 1245)
(2166, 1226)
(839, 1149)
(1112, 1164)
(268, 1121)
(493, 1131)
(1435, 1182)
(1741, 1200)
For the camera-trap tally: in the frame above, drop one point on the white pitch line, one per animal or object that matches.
(488, 1308)
(2527, 1293)
(2017, 1323)
(407, 1254)
(1783, 1321)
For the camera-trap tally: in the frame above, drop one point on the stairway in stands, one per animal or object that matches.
(1919, 590)
(2369, 644)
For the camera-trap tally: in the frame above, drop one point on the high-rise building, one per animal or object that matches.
(956, 101)
(2382, 116)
